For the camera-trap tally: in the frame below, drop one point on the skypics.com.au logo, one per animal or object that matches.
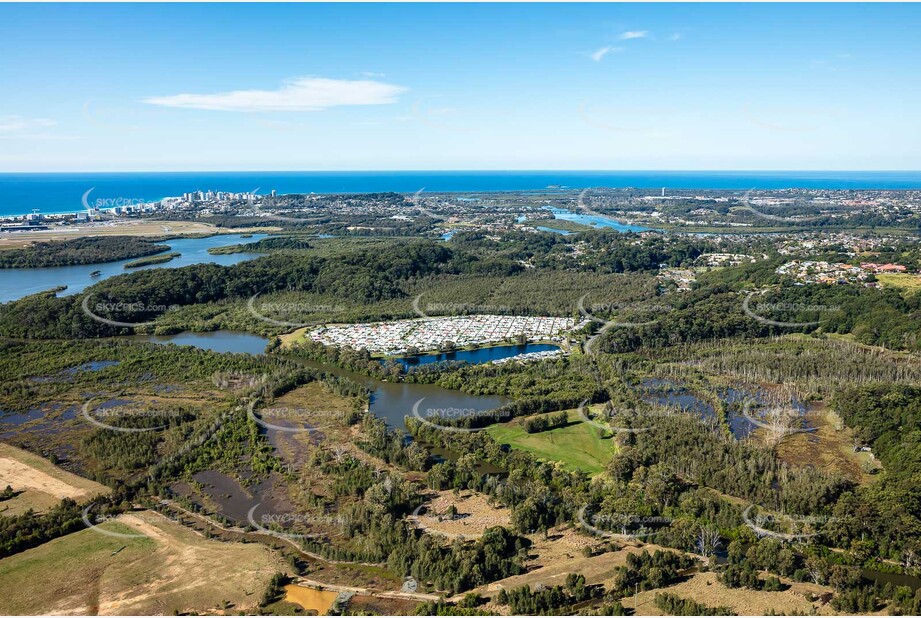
(130, 413)
(278, 524)
(584, 207)
(418, 201)
(803, 527)
(305, 419)
(631, 527)
(108, 203)
(438, 417)
(124, 311)
(270, 206)
(749, 205)
(108, 525)
(435, 524)
(781, 420)
(612, 420)
(643, 314)
(280, 313)
(761, 310)
(453, 309)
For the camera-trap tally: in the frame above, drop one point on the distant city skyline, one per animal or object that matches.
(114, 87)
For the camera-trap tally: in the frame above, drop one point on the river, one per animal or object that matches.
(18, 282)
(595, 221)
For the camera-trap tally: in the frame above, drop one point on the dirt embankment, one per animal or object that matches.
(149, 566)
(38, 484)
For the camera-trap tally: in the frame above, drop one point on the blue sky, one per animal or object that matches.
(420, 86)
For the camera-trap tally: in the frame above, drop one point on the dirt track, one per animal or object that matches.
(41, 483)
(10, 240)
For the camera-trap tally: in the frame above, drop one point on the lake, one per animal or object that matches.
(216, 341)
(391, 401)
(475, 357)
(596, 221)
(18, 282)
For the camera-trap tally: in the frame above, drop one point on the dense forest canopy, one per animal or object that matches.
(88, 250)
(671, 475)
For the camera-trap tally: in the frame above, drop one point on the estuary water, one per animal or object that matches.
(18, 282)
(596, 221)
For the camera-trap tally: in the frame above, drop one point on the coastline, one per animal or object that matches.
(21, 192)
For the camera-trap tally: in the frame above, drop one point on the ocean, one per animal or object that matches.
(64, 192)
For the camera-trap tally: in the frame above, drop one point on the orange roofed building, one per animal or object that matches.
(884, 268)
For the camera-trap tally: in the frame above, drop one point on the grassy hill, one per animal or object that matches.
(578, 446)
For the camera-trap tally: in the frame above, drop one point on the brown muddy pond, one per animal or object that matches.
(232, 500)
(311, 599)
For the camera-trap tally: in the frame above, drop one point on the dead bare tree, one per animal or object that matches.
(708, 541)
(816, 569)
(779, 423)
(780, 418)
(911, 556)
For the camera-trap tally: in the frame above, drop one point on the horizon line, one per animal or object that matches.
(482, 171)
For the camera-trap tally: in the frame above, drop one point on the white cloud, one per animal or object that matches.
(303, 94)
(675, 37)
(21, 128)
(598, 54)
(19, 124)
(634, 34)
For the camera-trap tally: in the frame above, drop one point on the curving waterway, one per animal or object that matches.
(18, 282)
(595, 221)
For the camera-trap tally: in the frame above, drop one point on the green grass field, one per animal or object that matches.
(33, 578)
(169, 568)
(578, 446)
(911, 284)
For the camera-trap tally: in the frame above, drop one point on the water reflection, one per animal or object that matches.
(672, 394)
(475, 357)
(393, 401)
(595, 221)
(217, 341)
(18, 282)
